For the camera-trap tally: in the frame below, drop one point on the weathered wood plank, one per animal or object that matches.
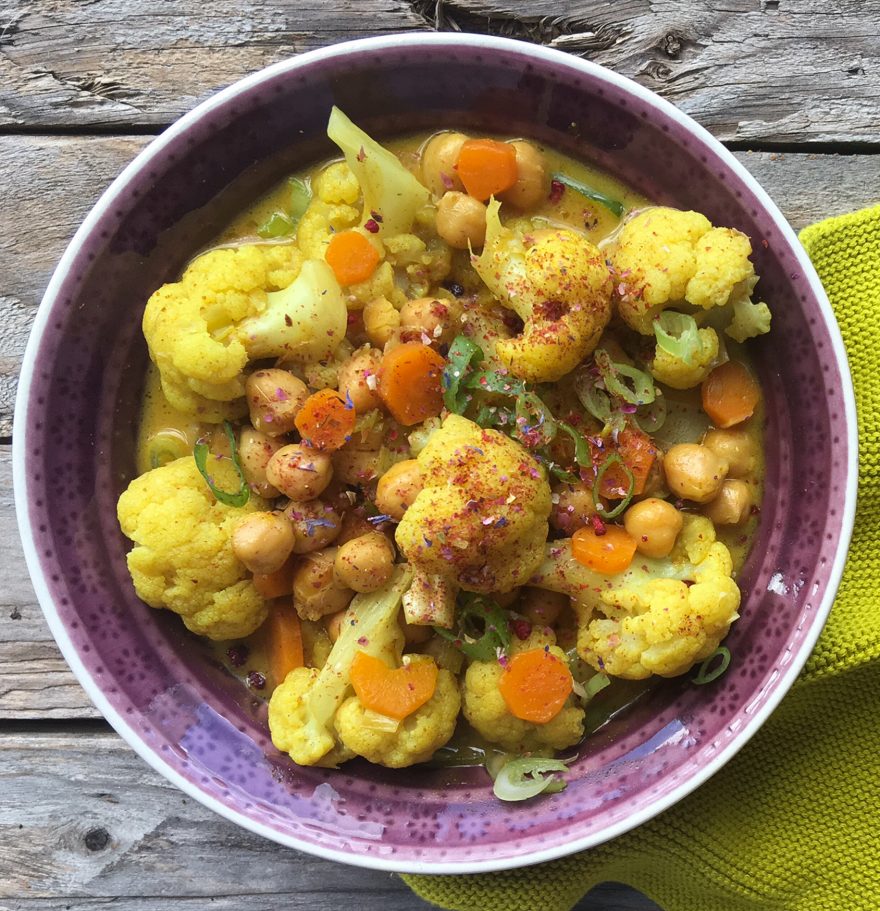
(753, 71)
(83, 822)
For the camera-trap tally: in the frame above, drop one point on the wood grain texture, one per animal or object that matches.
(752, 71)
(101, 826)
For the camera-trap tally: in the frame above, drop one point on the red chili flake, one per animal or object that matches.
(557, 191)
(371, 225)
(598, 526)
(361, 155)
(522, 629)
(237, 655)
(363, 640)
(287, 320)
(374, 214)
(256, 680)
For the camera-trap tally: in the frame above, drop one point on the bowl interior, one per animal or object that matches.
(158, 684)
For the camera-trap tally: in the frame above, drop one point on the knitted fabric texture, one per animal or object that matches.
(790, 824)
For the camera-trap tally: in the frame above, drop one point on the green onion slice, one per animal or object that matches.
(582, 454)
(711, 669)
(165, 447)
(677, 334)
(277, 225)
(596, 401)
(642, 391)
(650, 418)
(300, 197)
(520, 779)
(463, 354)
(613, 459)
(613, 205)
(482, 629)
(596, 684)
(200, 454)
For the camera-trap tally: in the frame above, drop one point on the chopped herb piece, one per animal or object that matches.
(463, 353)
(200, 454)
(482, 630)
(613, 205)
(707, 672)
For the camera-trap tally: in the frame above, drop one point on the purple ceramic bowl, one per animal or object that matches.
(75, 432)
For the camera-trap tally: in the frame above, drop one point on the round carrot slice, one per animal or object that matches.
(608, 553)
(535, 685)
(410, 382)
(352, 257)
(486, 167)
(326, 420)
(730, 394)
(395, 692)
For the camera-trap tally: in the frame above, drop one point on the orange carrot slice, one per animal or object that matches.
(730, 394)
(608, 553)
(326, 421)
(486, 167)
(283, 640)
(535, 685)
(352, 257)
(396, 692)
(409, 382)
(278, 584)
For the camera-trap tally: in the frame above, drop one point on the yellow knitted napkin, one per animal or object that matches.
(793, 822)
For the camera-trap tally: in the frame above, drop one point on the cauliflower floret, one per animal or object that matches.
(226, 310)
(416, 739)
(484, 706)
(303, 708)
(320, 221)
(657, 617)
(749, 320)
(665, 257)
(480, 520)
(558, 284)
(288, 713)
(183, 558)
(685, 374)
(337, 185)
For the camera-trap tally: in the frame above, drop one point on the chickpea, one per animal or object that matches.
(461, 219)
(732, 506)
(398, 488)
(263, 541)
(655, 525)
(430, 316)
(354, 525)
(531, 183)
(299, 472)
(381, 321)
(274, 398)
(315, 523)
(694, 472)
(354, 380)
(573, 509)
(316, 592)
(542, 607)
(355, 466)
(365, 563)
(737, 446)
(439, 157)
(333, 623)
(255, 449)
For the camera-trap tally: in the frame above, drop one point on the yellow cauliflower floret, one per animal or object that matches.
(237, 305)
(682, 374)
(485, 709)
(320, 222)
(558, 284)
(665, 257)
(200, 371)
(289, 714)
(417, 738)
(337, 185)
(480, 520)
(183, 559)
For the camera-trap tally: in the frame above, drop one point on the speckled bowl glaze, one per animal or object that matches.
(75, 428)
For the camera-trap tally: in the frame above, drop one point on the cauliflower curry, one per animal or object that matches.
(453, 434)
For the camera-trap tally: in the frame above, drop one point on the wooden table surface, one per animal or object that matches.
(792, 86)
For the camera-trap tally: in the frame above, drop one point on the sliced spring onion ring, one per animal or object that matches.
(650, 418)
(582, 453)
(613, 205)
(200, 454)
(481, 631)
(165, 448)
(595, 400)
(642, 391)
(613, 459)
(520, 779)
(707, 673)
(596, 684)
(463, 352)
(677, 334)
